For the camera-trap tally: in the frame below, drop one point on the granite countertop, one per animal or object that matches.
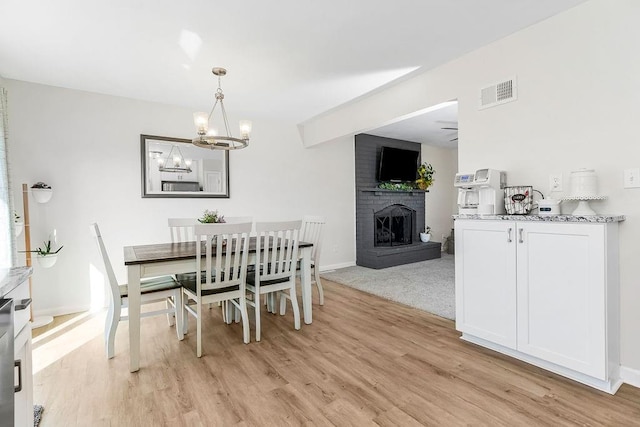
(546, 218)
(10, 278)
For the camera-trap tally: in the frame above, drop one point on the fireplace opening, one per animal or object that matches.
(394, 226)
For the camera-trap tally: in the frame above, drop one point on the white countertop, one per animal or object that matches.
(545, 218)
(10, 278)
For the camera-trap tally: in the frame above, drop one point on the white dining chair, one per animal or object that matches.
(156, 289)
(182, 229)
(224, 272)
(275, 270)
(312, 233)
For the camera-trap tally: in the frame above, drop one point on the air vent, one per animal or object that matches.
(499, 93)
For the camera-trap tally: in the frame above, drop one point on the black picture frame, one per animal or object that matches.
(209, 169)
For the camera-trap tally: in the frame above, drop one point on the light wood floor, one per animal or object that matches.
(363, 361)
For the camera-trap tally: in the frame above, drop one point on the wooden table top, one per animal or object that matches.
(162, 252)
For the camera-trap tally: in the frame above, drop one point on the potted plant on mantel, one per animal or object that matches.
(426, 235)
(425, 176)
(46, 256)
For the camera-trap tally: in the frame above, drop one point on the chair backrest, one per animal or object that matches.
(312, 233)
(277, 249)
(182, 229)
(226, 249)
(113, 282)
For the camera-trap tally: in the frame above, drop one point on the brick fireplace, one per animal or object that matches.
(388, 222)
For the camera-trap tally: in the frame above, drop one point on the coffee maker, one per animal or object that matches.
(481, 193)
(467, 193)
(490, 184)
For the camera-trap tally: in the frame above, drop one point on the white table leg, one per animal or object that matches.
(133, 273)
(305, 282)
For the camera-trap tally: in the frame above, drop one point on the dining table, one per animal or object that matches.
(162, 259)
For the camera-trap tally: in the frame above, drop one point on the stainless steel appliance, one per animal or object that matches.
(7, 389)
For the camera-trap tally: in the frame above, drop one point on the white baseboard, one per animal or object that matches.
(59, 311)
(630, 376)
(328, 268)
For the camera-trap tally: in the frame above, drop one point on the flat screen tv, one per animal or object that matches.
(398, 165)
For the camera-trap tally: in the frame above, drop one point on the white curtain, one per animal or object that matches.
(8, 255)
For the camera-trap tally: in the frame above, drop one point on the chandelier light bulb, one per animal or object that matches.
(245, 129)
(201, 120)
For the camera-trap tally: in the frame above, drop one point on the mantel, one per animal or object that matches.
(379, 191)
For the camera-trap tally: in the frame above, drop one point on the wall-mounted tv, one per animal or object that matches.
(398, 165)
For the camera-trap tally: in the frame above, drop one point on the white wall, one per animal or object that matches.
(441, 199)
(578, 105)
(86, 146)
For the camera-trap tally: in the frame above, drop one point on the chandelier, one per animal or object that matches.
(209, 137)
(174, 162)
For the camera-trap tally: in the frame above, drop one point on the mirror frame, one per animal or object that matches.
(144, 157)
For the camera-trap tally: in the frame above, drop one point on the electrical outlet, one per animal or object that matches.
(555, 182)
(632, 178)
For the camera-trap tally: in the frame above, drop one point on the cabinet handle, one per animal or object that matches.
(24, 303)
(521, 231)
(509, 235)
(18, 364)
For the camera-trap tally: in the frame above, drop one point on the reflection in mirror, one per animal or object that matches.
(173, 167)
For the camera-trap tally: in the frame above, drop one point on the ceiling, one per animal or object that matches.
(426, 127)
(289, 59)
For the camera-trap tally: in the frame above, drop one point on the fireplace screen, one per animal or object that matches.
(394, 226)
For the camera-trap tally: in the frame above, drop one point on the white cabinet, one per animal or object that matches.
(23, 376)
(544, 292)
(485, 272)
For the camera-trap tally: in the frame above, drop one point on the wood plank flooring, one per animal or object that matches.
(363, 361)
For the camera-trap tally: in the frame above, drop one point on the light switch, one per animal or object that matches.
(632, 178)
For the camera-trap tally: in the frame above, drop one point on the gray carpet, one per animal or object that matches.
(427, 285)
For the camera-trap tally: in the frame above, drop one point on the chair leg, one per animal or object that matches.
(110, 327)
(228, 308)
(246, 332)
(273, 302)
(199, 329)
(294, 306)
(257, 307)
(171, 316)
(178, 312)
(185, 314)
(316, 273)
(283, 304)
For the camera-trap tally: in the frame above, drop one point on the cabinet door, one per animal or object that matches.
(486, 280)
(24, 398)
(561, 295)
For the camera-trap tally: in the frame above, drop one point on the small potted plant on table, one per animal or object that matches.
(211, 217)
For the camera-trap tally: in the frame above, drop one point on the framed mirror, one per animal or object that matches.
(173, 167)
